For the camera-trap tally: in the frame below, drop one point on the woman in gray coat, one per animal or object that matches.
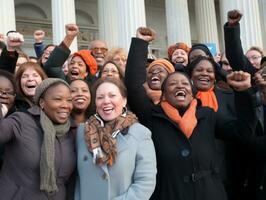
(116, 157)
(39, 155)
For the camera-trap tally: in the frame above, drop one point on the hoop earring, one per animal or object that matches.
(124, 111)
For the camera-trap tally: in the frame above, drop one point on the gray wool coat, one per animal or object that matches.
(20, 174)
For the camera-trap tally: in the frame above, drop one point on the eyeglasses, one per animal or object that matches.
(10, 94)
(106, 71)
(120, 59)
(254, 57)
(97, 49)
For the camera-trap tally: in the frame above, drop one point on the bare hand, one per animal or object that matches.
(72, 30)
(234, 16)
(146, 34)
(239, 80)
(38, 36)
(260, 80)
(14, 41)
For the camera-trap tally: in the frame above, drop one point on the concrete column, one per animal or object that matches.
(262, 7)
(7, 16)
(250, 23)
(177, 20)
(131, 16)
(206, 22)
(63, 12)
(108, 28)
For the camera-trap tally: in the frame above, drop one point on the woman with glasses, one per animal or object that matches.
(111, 69)
(7, 98)
(119, 57)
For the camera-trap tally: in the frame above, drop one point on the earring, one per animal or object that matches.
(124, 111)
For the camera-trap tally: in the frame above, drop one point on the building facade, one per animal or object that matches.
(116, 21)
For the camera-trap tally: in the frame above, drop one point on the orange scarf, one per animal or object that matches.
(188, 122)
(208, 98)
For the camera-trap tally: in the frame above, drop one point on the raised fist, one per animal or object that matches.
(146, 34)
(38, 36)
(239, 80)
(72, 30)
(14, 40)
(234, 16)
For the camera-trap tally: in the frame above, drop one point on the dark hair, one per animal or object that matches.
(122, 88)
(22, 69)
(10, 77)
(120, 74)
(201, 47)
(46, 47)
(191, 66)
(163, 87)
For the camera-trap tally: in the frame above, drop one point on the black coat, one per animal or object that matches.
(187, 168)
(250, 180)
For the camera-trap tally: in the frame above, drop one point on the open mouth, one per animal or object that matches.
(204, 80)
(31, 86)
(180, 95)
(80, 100)
(108, 110)
(155, 80)
(63, 114)
(74, 73)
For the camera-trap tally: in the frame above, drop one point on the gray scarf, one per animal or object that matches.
(47, 163)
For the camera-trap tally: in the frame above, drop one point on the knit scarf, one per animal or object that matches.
(187, 122)
(154, 95)
(208, 98)
(47, 162)
(100, 137)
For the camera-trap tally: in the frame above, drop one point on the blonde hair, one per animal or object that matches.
(115, 51)
(258, 49)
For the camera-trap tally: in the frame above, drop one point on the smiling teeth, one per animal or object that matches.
(180, 93)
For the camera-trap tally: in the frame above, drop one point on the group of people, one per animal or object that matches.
(101, 124)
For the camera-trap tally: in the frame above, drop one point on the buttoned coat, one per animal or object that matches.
(132, 176)
(20, 173)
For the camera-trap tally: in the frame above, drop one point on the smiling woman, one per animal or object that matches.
(28, 77)
(47, 151)
(116, 157)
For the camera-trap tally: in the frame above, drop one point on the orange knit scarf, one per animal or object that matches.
(187, 122)
(208, 98)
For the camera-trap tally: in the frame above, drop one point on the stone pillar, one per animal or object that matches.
(63, 12)
(131, 16)
(250, 23)
(7, 16)
(206, 22)
(262, 7)
(108, 28)
(177, 20)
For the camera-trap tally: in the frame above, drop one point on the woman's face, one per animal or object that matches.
(77, 68)
(178, 91)
(29, 81)
(7, 92)
(120, 60)
(196, 53)
(57, 103)
(80, 94)
(254, 58)
(180, 56)
(155, 77)
(203, 75)
(110, 70)
(109, 101)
